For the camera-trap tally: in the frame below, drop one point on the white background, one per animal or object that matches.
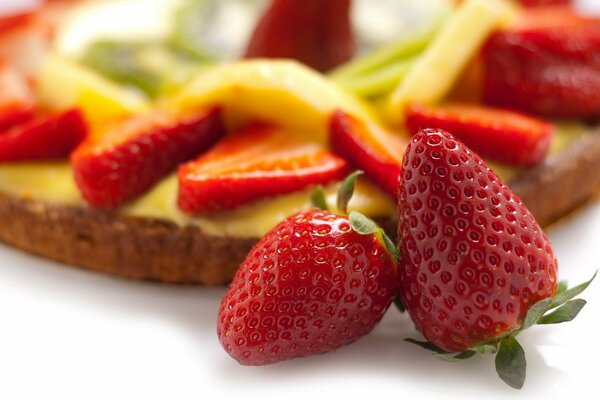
(71, 334)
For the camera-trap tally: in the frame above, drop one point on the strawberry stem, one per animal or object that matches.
(318, 199)
(366, 226)
(347, 191)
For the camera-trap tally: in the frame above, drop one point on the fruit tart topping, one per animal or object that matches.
(17, 101)
(253, 163)
(546, 65)
(377, 152)
(48, 137)
(317, 33)
(501, 135)
(434, 72)
(314, 283)
(63, 83)
(284, 93)
(131, 156)
(476, 268)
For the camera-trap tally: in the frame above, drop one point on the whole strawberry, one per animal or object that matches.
(316, 282)
(476, 268)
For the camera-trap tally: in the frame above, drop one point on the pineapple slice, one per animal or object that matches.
(281, 92)
(63, 83)
(435, 72)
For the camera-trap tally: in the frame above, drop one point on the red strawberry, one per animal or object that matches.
(51, 137)
(17, 102)
(548, 65)
(316, 282)
(376, 152)
(256, 162)
(134, 154)
(476, 268)
(501, 135)
(317, 33)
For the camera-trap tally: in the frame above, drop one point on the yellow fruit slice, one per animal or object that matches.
(282, 92)
(435, 72)
(63, 83)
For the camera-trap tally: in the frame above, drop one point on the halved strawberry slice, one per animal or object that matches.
(547, 64)
(254, 163)
(134, 154)
(17, 102)
(369, 148)
(316, 32)
(50, 137)
(499, 134)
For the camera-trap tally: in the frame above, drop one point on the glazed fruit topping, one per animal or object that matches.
(121, 163)
(377, 152)
(48, 137)
(548, 65)
(501, 135)
(254, 163)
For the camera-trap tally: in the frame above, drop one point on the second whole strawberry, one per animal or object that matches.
(476, 268)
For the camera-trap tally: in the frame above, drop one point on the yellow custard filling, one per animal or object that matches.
(54, 182)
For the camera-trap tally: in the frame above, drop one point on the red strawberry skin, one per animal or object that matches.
(474, 258)
(17, 102)
(136, 153)
(254, 163)
(502, 135)
(380, 158)
(45, 138)
(317, 33)
(309, 286)
(549, 65)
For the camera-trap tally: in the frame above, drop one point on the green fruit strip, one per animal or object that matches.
(378, 82)
(406, 47)
(379, 72)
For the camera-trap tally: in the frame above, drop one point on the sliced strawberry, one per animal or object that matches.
(134, 154)
(548, 65)
(254, 163)
(17, 101)
(317, 33)
(501, 135)
(557, 33)
(50, 137)
(376, 152)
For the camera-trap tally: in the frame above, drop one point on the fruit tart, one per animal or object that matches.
(166, 158)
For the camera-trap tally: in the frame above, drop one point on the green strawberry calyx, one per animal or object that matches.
(360, 223)
(510, 358)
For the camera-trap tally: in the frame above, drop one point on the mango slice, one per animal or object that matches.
(282, 92)
(63, 83)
